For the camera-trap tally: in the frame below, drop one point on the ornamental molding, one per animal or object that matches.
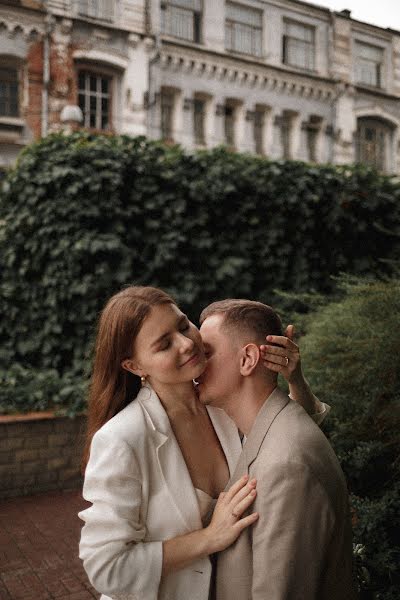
(16, 25)
(249, 77)
(106, 57)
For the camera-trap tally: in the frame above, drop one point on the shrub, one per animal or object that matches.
(352, 359)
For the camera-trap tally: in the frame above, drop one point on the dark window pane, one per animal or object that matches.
(93, 83)
(81, 81)
(81, 102)
(104, 86)
(92, 122)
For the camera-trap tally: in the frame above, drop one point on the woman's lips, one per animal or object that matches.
(193, 359)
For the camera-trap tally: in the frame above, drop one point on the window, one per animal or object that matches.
(259, 125)
(372, 143)
(167, 114)
(312, 129)
(182, 19)
(199, 113)
(368, 64)
(285, 135)
(96, 9)
(94, 99)
(299, 45)
(9, 92)
(229, 125)
(243, 29)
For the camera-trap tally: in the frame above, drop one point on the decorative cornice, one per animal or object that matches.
(22, 26)
(258, 77)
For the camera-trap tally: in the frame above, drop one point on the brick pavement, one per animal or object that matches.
(39, 548)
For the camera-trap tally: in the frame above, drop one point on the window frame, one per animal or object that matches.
(168, 6)
(97, 72)
(199, 140)
(93, 7)
(233, 24)
(310, 45)
(379, 126)
(10, 66)
(358, 59)
(167, 135)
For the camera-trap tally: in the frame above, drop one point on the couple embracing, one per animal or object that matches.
(205, 480)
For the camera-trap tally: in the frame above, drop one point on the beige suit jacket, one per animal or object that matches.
(301, 546)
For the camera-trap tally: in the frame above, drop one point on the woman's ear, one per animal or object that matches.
(129, 365)
(249, 359)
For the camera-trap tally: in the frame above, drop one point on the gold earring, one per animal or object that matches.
(143, 380)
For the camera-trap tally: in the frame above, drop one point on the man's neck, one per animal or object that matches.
(243, 409)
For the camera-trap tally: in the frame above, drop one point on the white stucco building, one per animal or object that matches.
(281, 78)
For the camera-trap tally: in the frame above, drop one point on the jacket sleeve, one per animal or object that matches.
(319, 417)
(117, 560)
(292, 535)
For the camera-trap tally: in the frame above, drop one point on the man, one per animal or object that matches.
(300, 548)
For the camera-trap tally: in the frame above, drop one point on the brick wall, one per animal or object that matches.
(39, 452)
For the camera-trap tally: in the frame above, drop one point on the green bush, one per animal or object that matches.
(80, 216)
(352, 359)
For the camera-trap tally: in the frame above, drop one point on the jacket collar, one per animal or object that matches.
(266, 416)
(170, 459)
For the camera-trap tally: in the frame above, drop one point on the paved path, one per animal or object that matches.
(39, 548)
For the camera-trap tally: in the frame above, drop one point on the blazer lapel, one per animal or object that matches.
(172, 464)
(228, 436)
(266, 416)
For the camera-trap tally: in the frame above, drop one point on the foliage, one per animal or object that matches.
(352, 359)
(82, 215)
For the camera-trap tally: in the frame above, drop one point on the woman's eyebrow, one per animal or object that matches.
(167, 333)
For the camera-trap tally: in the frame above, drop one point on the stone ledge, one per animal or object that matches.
(40, 452)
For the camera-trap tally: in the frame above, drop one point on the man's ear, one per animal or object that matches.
(249, 359)
(129, 365)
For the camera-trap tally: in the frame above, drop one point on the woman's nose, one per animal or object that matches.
(186, 343)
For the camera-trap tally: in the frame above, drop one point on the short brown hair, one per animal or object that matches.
(247, 316)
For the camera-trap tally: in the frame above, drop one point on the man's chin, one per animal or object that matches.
(202, 395)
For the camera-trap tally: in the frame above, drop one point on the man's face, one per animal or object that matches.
(221, 378)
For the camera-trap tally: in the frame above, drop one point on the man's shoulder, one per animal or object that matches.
(294, 439)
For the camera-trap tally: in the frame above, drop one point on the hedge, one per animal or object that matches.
(352, 359)
(81, 216)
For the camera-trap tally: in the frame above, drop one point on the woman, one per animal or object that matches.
(157, 457)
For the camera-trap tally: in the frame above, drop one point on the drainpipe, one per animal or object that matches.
(151, 99)
(49, 23)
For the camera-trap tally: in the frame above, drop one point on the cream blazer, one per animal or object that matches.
(141, 494)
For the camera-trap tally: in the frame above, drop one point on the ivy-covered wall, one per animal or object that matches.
(81, 216)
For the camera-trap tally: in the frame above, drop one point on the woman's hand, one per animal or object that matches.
(284, 357)
(226, 523)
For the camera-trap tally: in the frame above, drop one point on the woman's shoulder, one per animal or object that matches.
(127, 425)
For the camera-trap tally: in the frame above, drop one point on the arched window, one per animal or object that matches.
(374, 143)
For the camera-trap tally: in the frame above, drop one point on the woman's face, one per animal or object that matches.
(168, 348)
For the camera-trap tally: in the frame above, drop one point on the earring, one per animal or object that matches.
(143, 380)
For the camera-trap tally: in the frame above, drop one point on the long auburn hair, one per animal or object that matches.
(111, 386)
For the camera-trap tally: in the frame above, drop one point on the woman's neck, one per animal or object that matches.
(179, 399)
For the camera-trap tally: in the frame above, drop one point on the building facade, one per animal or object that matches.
(280, 78)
